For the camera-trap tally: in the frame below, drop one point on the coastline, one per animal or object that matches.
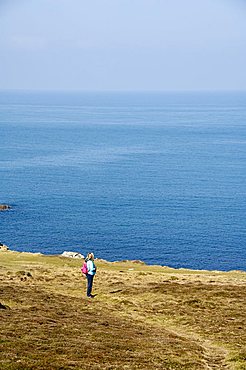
(127, 261)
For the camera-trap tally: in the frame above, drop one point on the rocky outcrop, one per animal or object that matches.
(3, 247)
(4, 207)
(72, 255)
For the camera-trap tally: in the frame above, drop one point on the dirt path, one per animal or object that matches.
(214, 356)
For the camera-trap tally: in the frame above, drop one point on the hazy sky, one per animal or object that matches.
(123, 44)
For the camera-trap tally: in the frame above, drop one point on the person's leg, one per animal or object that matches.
(89, 284)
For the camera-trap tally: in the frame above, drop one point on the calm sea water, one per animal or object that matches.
(158, 177)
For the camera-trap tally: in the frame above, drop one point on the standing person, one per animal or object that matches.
(91, 271)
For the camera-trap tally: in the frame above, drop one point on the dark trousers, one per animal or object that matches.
(89, 284)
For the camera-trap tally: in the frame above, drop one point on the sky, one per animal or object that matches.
(123, 44)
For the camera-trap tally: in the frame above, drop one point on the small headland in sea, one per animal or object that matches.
(4, 207)
(141, 316)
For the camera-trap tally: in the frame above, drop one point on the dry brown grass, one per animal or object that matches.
(142, 317)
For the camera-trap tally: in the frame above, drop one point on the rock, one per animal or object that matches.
(4, 307)
(139, 262)
(4, 207)
(3, 247)
(72, 255)
(24, 273)
(132, 261)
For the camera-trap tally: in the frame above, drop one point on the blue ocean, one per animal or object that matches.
(158, 177)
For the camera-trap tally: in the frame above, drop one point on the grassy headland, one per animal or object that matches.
(142, 316)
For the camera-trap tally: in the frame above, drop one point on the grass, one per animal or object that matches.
(142, 316)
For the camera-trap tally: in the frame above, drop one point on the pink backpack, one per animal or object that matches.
(84, 269)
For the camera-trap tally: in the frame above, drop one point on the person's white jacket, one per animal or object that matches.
(91, 267)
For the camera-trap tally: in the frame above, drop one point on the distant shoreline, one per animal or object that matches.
(127, 261)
